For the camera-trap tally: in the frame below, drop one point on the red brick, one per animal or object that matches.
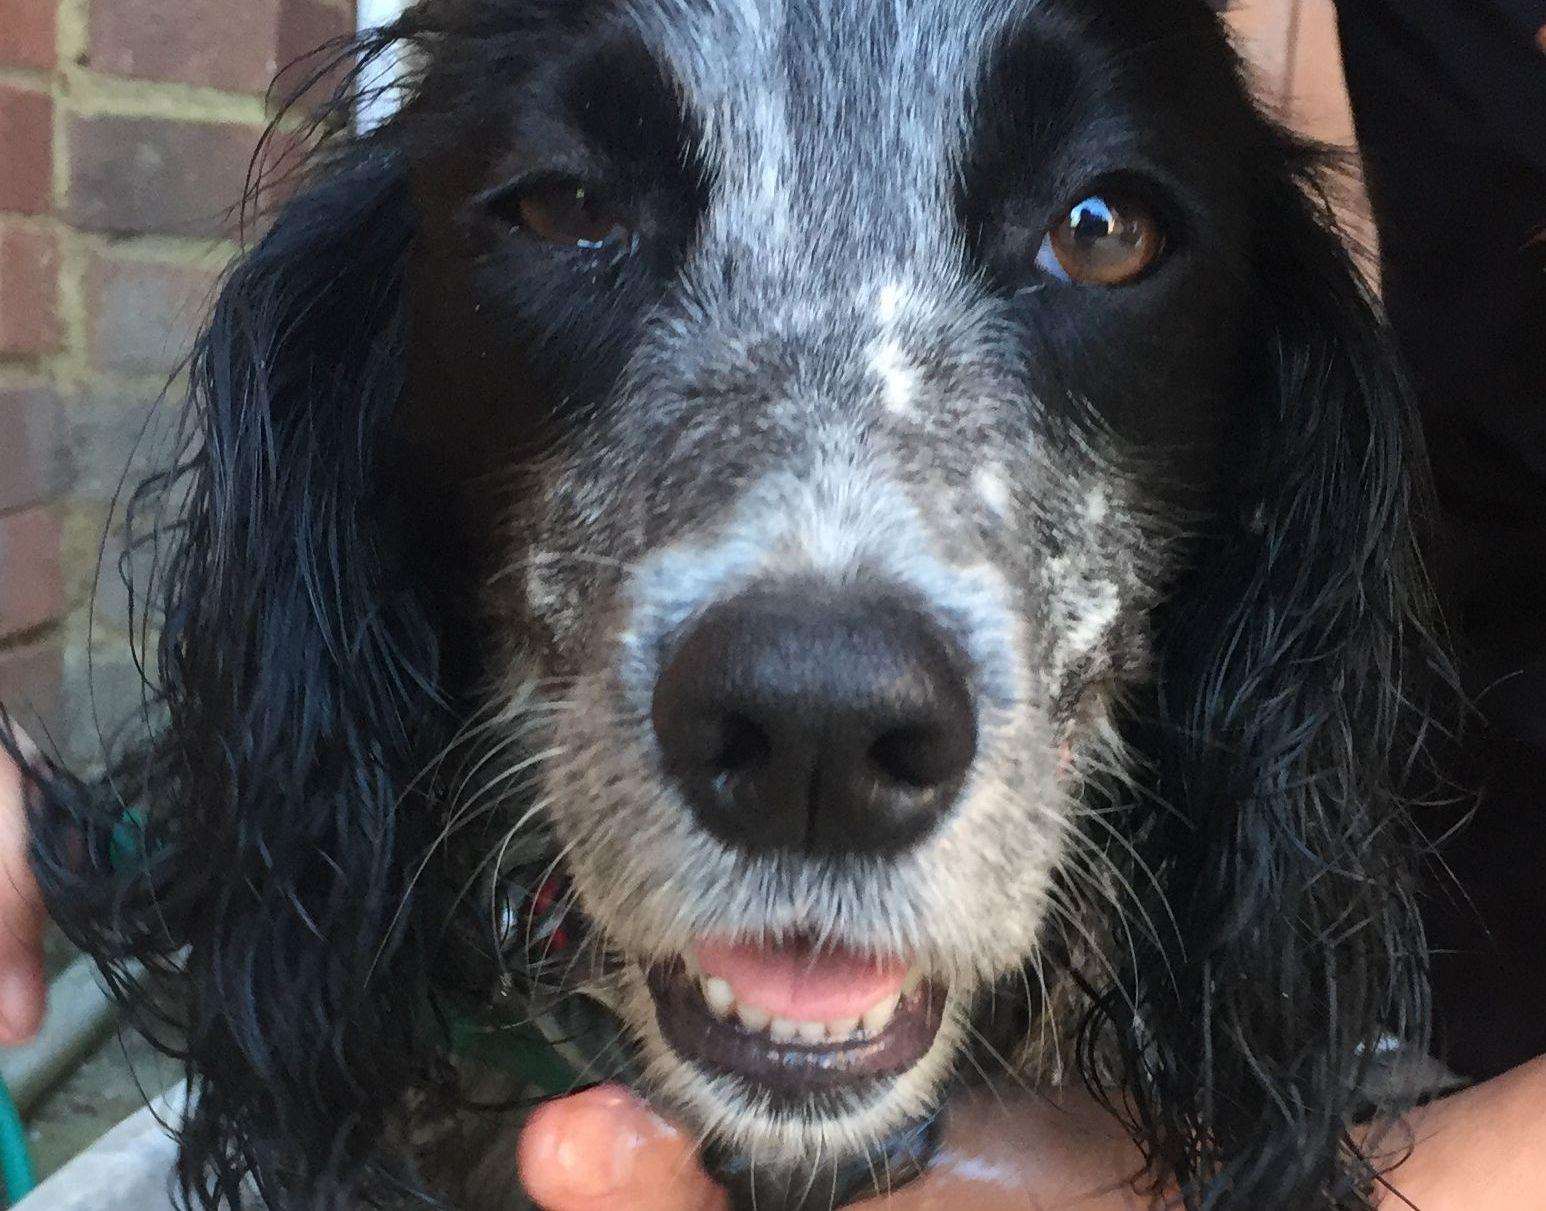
(31, 585)
(29, 291)
(230, 44)
(304, 27)
(27, 30)
(30, 435)
(31, 686)
(26, 150)
(157, 176)
(143, 314)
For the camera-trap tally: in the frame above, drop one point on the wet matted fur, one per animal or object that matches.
(450, 493)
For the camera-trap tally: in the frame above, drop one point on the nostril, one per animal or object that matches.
(904, 755)
(742, 744)
(919, 757)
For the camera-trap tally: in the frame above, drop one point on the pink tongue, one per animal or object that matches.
(790, 981)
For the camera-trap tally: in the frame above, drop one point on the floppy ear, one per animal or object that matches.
(266, 863)
(1289, 945)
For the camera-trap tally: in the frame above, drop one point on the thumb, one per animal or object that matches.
(603, 1149)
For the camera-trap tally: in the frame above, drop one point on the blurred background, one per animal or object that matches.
(126, 131)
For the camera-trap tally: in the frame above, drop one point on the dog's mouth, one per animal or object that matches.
(793, 1018)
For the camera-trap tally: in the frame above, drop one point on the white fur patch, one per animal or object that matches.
(898, 377)
(992, 490)
(1091, 616)
(890, 302)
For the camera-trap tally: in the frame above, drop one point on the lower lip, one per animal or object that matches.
(792, 1069)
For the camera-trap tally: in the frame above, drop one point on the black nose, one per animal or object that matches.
(829, 725)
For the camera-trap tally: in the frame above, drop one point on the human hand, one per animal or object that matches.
(21, 916)
(1480, 1150)
(1005, 1149)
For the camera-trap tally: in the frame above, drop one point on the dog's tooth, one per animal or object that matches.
(690, 962)
(843, 1028)
(879, 1017)
(719, 996)
(913, 982)
(813, 1032)
(753, 1018)
(784, 1030)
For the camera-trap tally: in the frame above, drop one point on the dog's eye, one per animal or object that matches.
(1103, 240)
(563, 211)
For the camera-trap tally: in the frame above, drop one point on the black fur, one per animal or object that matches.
(317, 592)
(1292, 698)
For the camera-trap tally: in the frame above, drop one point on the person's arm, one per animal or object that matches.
(1483, 1149)
(1005, 1149)
(21, 918)
(1480, 1150)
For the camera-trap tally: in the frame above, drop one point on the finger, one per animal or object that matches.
(604, 1149)
(21, 917)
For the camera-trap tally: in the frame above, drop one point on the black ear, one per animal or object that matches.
(1284, 724)
(261, 850)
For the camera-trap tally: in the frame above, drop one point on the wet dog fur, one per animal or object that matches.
(447, 495)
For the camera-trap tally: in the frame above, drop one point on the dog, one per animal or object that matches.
(862, 542)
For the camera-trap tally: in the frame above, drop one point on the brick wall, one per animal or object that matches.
(125, 132)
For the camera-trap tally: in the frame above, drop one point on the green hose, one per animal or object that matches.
(15, 1164)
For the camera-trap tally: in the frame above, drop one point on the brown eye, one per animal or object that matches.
(566, 211)
(1102, 241)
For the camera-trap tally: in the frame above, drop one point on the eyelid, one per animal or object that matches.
(528, 181)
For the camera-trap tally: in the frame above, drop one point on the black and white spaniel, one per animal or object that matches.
(848, 544)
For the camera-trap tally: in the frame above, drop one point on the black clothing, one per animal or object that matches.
(1449, 101)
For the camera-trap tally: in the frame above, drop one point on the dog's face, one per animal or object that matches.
(884, 357)
(935, 496)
